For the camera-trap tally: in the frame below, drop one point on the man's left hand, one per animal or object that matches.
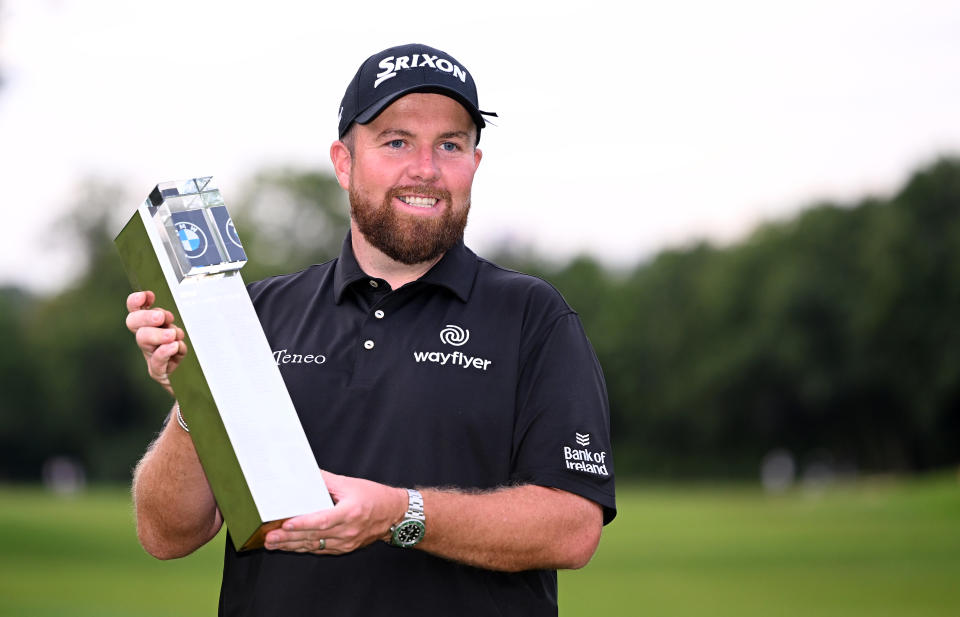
(362, 514)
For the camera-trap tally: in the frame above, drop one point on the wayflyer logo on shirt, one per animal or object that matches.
(456, 336)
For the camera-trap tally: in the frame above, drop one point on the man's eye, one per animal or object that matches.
(449, 146)
(396, 143)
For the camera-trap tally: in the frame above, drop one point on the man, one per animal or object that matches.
(456, 398)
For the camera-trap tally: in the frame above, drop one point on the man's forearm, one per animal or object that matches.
(176, 511)
(511, 529)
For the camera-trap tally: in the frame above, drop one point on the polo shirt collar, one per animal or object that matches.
(455, 271)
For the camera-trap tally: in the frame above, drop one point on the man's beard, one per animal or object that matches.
(406, 238)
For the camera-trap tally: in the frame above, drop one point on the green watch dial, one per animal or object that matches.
(408, 533)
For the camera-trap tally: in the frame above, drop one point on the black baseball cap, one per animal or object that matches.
(386, 76)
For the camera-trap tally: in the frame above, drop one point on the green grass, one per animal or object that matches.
(878, 547)
(79, 556)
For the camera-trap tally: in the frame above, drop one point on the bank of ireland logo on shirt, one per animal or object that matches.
(454, 335)
(583, 458)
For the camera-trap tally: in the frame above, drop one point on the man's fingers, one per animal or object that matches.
(163, 360)
(164, 354)
(363, 512)
(136, 301)
(149, 338)
(313, 521)
(139, 300)
(312, 536)
(161, 341)
(167, 318)
(145, 318)
(301, 543)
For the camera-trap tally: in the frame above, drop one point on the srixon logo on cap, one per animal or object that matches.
(391, 66)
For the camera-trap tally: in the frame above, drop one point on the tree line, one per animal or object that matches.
(832, 335)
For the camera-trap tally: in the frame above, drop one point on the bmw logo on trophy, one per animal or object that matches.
(182, 244)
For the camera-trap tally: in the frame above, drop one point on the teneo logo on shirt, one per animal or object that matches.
(456, 336)
(584, 459)
(391, 66)
(283, 357)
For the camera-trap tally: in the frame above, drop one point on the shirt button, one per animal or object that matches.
(378, 314)
(368, 344)
(374, 284)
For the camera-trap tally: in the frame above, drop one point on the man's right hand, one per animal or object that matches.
(160, 340)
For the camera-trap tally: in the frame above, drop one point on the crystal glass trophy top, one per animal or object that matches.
(182, 244)
(199, 234)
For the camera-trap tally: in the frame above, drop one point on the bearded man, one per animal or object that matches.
(456, 395)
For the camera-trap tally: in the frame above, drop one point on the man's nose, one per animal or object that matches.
(424, 165)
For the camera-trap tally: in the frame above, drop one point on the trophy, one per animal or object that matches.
(182, 244)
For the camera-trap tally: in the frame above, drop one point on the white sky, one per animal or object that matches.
(621, 131)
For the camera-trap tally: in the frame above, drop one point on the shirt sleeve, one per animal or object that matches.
(562, 430)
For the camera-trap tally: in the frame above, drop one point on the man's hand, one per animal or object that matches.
(159, 339)
(523, 527)
(363, 514)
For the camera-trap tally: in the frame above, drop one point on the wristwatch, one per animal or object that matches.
(410, 530)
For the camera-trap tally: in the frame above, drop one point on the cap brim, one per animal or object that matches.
(370, 113)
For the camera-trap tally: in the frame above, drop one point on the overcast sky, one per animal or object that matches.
(621, 131)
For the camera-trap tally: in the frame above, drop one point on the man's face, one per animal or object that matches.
(410, 176)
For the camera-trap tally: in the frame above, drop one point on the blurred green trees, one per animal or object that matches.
(73, 383)
(831, 335)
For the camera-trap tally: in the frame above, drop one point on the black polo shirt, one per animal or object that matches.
(471, 377)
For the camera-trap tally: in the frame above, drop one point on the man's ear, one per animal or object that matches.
(341, 159)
